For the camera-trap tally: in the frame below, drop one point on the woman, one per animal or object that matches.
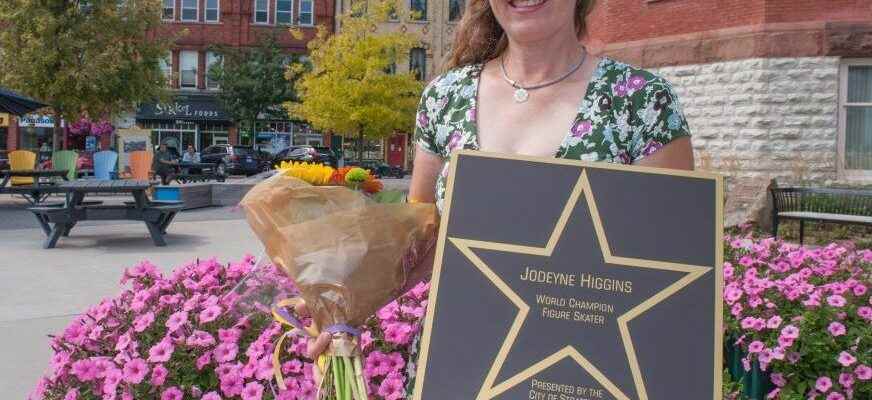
(520, 81)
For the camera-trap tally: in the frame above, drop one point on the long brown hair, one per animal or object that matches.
(480, 37)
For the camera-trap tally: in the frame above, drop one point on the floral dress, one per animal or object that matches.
(626, 114)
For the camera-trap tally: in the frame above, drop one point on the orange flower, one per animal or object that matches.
(338, 177)
(372, 185)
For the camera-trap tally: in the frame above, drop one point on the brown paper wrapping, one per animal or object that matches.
(348, 255)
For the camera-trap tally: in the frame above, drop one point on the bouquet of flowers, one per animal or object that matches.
(347, 253)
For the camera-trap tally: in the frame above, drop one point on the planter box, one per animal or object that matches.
(194, 195)
(756, 383)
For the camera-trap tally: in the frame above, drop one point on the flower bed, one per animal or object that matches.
(799, 320)
(199, 333)
(801, 317)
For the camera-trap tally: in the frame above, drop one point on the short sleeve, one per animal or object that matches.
(659, 116)
(425, 131)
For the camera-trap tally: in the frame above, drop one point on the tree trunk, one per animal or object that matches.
(360, 145)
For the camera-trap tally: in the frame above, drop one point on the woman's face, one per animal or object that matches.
(535, 20)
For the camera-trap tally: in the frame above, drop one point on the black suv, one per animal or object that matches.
(306, 154)
(231, 159)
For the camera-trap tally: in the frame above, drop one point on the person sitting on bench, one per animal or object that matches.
(165, 164)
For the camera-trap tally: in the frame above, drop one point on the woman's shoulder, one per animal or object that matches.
(626, 80)
(456, 81)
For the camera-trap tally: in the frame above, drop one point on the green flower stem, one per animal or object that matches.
(358, 370)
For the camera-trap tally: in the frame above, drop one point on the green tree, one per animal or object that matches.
(350, 88)
(83, 57)
(253, 80)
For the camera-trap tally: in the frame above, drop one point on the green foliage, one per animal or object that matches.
(90, 57)
(732, 389)
(349, 89)
(253, 80)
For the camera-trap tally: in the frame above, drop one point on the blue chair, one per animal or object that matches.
(104, 164)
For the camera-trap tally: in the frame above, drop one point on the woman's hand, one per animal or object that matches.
(316, 346)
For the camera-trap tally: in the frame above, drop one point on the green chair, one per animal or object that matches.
(65, 159)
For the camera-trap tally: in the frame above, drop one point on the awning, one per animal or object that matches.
(17, 104)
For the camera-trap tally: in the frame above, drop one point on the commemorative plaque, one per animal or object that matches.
(565, 280)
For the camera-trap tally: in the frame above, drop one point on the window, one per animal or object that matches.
(419, 10)
(213, 10)
(190, 8)
(857, 114)
(418, 63)
(307, 14)
(261, 11)
(284, 12)
(166, 66)
(188, 69)
(455, 9)
(212, 58)
(169, 10)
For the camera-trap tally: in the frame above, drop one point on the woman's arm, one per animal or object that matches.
(422, 189)
(678, 154)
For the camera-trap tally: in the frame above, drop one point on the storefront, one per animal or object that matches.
(4, 136)
(193, 119)
(273, 136)
(36, 134)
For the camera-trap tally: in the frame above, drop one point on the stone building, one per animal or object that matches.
(772, 89)
(434, 21)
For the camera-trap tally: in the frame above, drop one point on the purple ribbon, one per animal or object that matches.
(336, 328)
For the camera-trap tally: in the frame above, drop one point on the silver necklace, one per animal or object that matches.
(522, 93)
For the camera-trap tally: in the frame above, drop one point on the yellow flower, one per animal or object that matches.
(315, 174)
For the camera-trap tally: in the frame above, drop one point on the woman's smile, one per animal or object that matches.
(526, 6)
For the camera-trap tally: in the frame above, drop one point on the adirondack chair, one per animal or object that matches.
(65, 159)
(104, 164)
(21, 160)
(140, 164)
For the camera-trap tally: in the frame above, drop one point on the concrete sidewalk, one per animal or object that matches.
(40, 290)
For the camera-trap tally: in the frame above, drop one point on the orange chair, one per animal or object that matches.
(140, 164)
(21, 160)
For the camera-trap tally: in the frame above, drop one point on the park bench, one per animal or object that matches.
(838, 206)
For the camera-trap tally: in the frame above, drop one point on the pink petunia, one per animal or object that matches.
(835, 396)
(836, 301)
(252, 391)
(865, 312)
(160, 352)
(846, 380)
(823, 384)
(143, 321)
(846, 359)
(85, 370)
(392, 387)
(863, 372)
(200, 339)
(836, 329)
(171, 393)
(790, 332)
(158, 375)
(756, 346)
(213, 395)
(225, 352)
(177, 320)
(135, 370)
(204, 360)
(210, 314)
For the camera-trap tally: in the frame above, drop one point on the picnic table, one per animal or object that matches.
(39, 190)
(59, 220)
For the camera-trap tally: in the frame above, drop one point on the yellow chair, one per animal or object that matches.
(140, 164)
(21, 160)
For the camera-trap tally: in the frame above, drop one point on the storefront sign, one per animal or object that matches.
(185, 108)
(37, 121)
(571, 287)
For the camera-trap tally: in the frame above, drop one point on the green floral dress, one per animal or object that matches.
(626, 114)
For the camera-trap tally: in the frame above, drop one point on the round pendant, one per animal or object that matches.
(521, 95)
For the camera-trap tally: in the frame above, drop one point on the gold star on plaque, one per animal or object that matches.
(663, 279)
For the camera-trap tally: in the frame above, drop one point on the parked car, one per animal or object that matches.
(306, 153)
(378, 168)
(231, 159)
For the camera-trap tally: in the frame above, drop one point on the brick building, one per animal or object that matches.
(194, 115)
(773, 89)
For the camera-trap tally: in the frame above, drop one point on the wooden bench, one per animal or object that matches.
(838, 206)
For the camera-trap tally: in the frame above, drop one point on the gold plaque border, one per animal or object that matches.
(489, 391)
